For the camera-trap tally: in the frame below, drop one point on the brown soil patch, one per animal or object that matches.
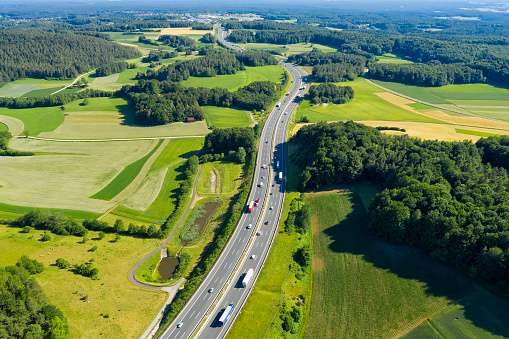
(213, 179)
(329, 191)
(318, 263)
(315, 228)
(183, 30)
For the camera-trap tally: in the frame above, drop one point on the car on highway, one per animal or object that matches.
(180, 325)
(264, 166)
(257, 202)
(267, 222)
(263, 177)
(270, 208)
(258, 233)
(249, 226)
(211, 290)
(253, 256)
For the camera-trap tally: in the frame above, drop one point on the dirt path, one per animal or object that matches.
(252, 119)
(61, 89)
(213, 180)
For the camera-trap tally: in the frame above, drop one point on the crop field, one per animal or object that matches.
(16, 89)
(227, 178)
(416, 92)
(124, 178)
(478, 315)
(184, 31)
(155, 199)
(288, 49)
(66, 180)
(115, 307)
(224, 117)
(107, 83)
(382, 290)
(389, 58)
(232, 82)
(13, 125)
(365, 106)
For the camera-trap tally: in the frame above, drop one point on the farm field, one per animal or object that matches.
(382, 290)
(17, 89)
(232, 82)
(288, 49)
(224, 117)
(478, 315)
(365, 106)
(389, 58)
(115, 307)
(154, 200)
(66, 181)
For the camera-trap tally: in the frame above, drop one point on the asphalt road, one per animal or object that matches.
(226, 276)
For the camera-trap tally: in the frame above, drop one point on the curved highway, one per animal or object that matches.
(249, 245)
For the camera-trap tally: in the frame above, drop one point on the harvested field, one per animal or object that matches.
(182, 31)
(16, 89)
(15, 126)
(93, 117)
(147, 193)
(66, 181)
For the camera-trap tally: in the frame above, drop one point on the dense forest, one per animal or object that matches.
(155, 56)
(226, 140)
(113, 68)
(42, 55)
(214, 62)
(161, 102)
(325, 93)
(426, 74)
(178, 42)
(24, 308)
(440, 196)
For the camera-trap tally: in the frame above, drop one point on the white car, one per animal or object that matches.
(264, 166)
(180, 325)
(211, 290)
(253, 256)
(249, 226)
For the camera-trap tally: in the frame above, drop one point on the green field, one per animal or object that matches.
(224, 117)
(365, 106)
(161, 195)
(232, 82)
(416, 92)
(12, 212)
(227, 177)
(124, 178)
(17, 89)
(389, 58)
(130, 308)
(478, 315)
(37, 120)
(470, 132)
(288, 49)
(370, 287)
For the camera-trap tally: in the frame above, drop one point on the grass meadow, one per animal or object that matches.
(370, 287)
(232, 82)
(389, 58)
(115, 307)
(288, 49)
(224, 117)
(364, 106)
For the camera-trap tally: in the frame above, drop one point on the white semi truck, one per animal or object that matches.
(248, 276)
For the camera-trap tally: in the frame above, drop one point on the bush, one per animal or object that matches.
(32, 266)
(62, 263)
(45, 237)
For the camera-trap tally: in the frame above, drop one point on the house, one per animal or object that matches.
(191, 119)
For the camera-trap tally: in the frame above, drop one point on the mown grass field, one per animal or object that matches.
(288, 49)
(227, 178)
(364, 106)
(17, 89)
(389, 58)
(232, 82)
(161, 195)
(124, 178)
(37, 120)
(129, 307)
(224, 117)
(370, 287)
(478, 315)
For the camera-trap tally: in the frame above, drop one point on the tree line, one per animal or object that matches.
(25, 310)
(178, 42)
(5, 136)
(46, 55)
(113, 68)
(325, 93)
(443, 197)
(58, 99)
(155, 56)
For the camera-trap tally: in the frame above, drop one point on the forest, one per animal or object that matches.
(25, 311)
(155, 56)
(58, 99)
(178, 42)
(46, 55)
(444, 197)
(113, 68)
(325, 93)
(161, 102)
(225, 140)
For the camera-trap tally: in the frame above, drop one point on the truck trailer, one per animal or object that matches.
(225, 315)
(250, 207)
(248, 276)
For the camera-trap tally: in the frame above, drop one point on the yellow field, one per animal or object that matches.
(93, 117)
(183, 30)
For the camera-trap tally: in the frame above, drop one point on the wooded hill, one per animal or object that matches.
(41, 55)
(443, 197)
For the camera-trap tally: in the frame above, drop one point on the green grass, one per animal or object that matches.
(470, 88)
(416, 92)
(365, 106)
(227, 177)
(124, 178)
(478, 315)
(288, 49)
(171, 158)
(17, 89)
(131, 308)
(389, 58)
(421, 107)
(224, 117)
(42, 92)
(3, 128)
(469, 95)
(16, 211)
(232, 82)
(469, 132)
(370, 287)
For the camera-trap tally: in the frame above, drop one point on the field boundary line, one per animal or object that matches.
(112, 139)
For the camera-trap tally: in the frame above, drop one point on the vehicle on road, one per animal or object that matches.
(250, 207)
(253, 256)
(280, 176)
(267, 222)
(264, 166)
(180, 325)
(211, 290)
(247, 277)
(258, 233)
(257, 202)
(278, 104)
(225, 315)
(277, 164)
(249, 226)
(261, 184)
(270, 208)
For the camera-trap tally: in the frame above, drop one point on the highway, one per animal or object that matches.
(248, 246)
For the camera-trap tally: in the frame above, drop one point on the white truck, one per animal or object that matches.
(247, 277)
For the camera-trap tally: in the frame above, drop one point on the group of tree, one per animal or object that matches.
(55, 222)
(5, 136)
(178, 42)
(58, 99)
(228, 140)
(191, 168)
(45, 55)
(113, 68)
(444, 197)
(214, 62)
(429, 75)
(144, 40)
(25, 311)
(155, 56)
(86, 270)
(208, 38)
(161, 102)
(325, 93)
